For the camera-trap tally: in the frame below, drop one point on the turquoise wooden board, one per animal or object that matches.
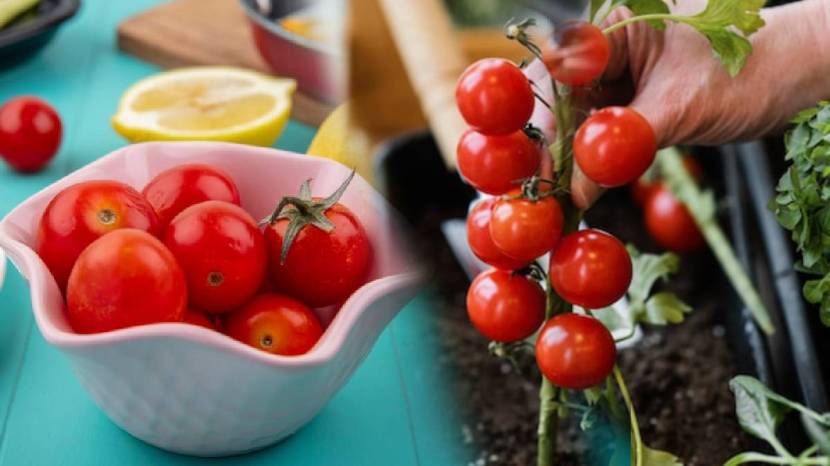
(396, 410)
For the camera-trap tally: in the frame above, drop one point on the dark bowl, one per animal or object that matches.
(23, 40)
(317, 67)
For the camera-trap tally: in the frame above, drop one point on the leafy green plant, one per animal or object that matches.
(760, 412)
(802, 203)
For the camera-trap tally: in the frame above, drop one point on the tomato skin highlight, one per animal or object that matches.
(575, 351)
(125, 278)
(669, 222)
(276, 324)
(180, 187)
(525, 229)
(30, 133)
(580, 55)
(321, 268)
(478, 237)
(494, 96)
(590, 268)
(496, 164)
(222, 252)
(82, 213)
(504, 306)
(614, 146)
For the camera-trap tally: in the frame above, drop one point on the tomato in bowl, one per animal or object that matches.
(192, 390)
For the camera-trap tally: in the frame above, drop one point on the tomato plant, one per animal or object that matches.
(478, 235)
(524, 228)
(575, 351)
(318, 250)
(222, 252)
(276, 324)
(177, 188)
(494, 96)
(614, 146)
(590, 269)
(496, 164)
(30, 133)
(669, 222)
(505, 306)
(580, 54)
(83, 212)
(125, 278)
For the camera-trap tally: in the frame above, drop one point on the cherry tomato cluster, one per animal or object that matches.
(184, 250)
(30, 133)
(591, 269)
(667, 219)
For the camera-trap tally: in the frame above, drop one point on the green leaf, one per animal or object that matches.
(817, 433)
(745, 15)
(649, 7)
(665, 308)
(612, 319)
(652, 457)
(730, 49)
(588, 419)
(759, 409)
(647, 269)
(592, 395)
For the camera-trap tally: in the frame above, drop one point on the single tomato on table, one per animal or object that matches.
(497, 164)
(178, 188)
(83, 212)
(575, 351)
(480, 241)
(125, 278)
(318, 250)
(276, 324)
(590, 268)
(30, 133)
(525, 229)
(222, 252)
(505, 306)
(494, 96)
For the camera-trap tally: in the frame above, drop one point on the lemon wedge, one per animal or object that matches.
(206, 103)
(337, 139)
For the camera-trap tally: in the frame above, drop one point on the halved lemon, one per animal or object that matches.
(206, 103)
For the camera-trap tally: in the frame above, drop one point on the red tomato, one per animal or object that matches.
(525, 229)
(80, 214)
(575, 351)
(579, 56)
(125, 278)
(614, 146)
(178, 188)
(641, 188)
(669, 222)
(590, 269)
(198, 318)
(222, 253)
(478, 236)
(504, 306)
(494, 96)
(496, 164)
(321, 268)
(275, 324)
(30, 133)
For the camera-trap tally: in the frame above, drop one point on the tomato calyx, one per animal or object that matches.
(302, 210)
(518, 32)
(532, 190)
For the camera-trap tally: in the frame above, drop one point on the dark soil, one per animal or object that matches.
(678, 375)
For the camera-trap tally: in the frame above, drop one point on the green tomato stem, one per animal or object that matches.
(625, 22)
(636, 440)
(685, 188)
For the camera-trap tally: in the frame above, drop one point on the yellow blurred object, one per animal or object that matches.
(337, 139)
(206, 103)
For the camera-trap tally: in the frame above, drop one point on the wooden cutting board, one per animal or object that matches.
(204, 32)
(216, 32)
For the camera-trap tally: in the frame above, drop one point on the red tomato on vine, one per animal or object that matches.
(669, 222)
(494, 96)
(497, 164)
(525, 229)
(580, 54)
(575, 351)
(478, 236)
(504, 306)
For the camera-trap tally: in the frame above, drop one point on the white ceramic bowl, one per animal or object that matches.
(190, 390)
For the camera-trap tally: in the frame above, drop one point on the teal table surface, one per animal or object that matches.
(397, 410)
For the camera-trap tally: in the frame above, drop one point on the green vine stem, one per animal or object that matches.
(702, 207)
(636, 439)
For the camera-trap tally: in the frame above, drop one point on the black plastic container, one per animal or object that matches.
(19, 41)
